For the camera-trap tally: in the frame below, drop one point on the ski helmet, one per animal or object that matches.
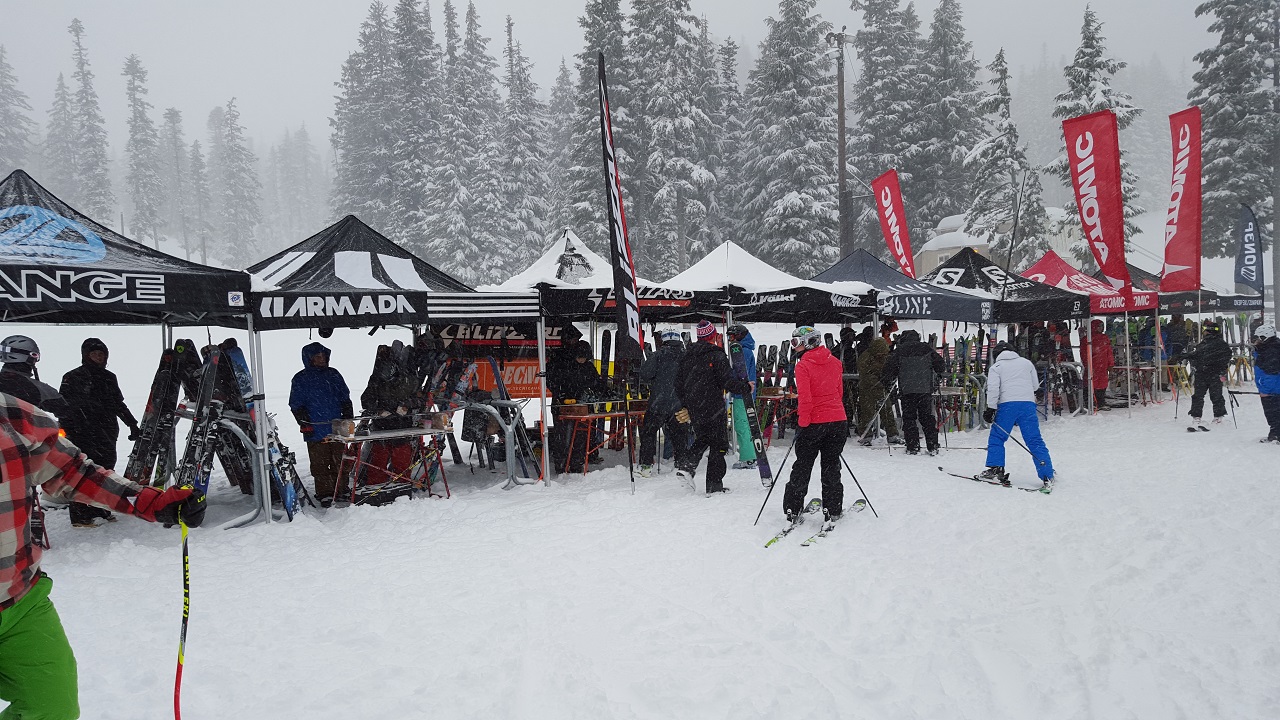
(737, 332)
(22, 349)
(804, 338)
(1263, 332)
(999, 348)
(1211, 327)
(669, 335)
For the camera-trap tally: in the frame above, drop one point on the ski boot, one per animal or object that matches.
(745, 465)
(913, 450)
(686, 479)
(646, 471)
(996, 474)
(932, 450)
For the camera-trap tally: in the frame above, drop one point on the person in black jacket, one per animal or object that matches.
(1209, 360)
(917, 368)
(848, 354)
(581, 382)
(20, 379)
(391, 397)
(95, 401)
(659, 372)
(702, 378)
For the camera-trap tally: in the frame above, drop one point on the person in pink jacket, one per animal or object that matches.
(823, 424)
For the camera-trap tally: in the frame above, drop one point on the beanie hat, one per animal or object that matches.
(705, 330)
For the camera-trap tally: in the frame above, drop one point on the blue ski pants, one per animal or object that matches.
(1021, 414)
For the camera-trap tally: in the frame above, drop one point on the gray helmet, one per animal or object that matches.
(19, 349)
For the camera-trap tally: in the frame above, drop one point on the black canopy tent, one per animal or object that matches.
(1020, 299)
(58, 265)
(1190, 301)
(350, 275)
(900, 296)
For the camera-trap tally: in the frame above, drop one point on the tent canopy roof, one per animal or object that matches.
(59, 265)
(904, 297)
(569, 263)
(1021, 300)
(730, 266)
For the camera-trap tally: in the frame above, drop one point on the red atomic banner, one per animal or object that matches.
(893, 220)
(1182, 223)
(1093, 152)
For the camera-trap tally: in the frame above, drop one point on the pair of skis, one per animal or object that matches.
(829, 524)
(739, 360)
(1044, 489)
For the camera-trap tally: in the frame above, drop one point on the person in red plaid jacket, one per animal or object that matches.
(37, 667)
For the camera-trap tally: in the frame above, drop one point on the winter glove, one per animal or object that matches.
(134, 432)
(166, 506)
(307, 428)
(347, 411)
(989, 415)
(682, 416)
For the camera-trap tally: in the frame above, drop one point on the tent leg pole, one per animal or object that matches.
(542, 397)
(260, 420)
(1128, 365)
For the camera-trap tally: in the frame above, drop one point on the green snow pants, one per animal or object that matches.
(741, 428)
(37, 668)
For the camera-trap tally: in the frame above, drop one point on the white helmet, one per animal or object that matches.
(1265, 331)
(805, 337)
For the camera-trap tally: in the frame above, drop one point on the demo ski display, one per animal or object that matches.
(197, 460)
(155, 431)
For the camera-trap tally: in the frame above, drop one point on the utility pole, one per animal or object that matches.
(839, 40)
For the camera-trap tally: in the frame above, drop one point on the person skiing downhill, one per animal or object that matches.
(659, 371)
(1011, 401)
(1209, 360)
(1266, 375)
(702, 378)
(823, 425)
(93, 393)
(741, 428)
(37, 665)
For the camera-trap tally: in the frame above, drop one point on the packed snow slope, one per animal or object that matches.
(1144, 587)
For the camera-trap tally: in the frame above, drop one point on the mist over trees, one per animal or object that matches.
(444, 142)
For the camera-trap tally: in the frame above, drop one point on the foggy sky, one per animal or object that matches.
(280, 58)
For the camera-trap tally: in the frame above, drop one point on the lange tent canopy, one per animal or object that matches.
(759, 292)
(575, 282)
(1103, 298)
(58, 265)
(1021, 300)
(349, 275)
(900, 296)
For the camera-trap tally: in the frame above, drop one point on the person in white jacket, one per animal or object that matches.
(1011, 401)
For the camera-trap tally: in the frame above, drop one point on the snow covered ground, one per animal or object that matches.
(1144, 587)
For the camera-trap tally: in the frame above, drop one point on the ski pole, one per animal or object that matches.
(775, 482)
(1009, 434)
(876, 415)
(855, 482)
(186, 614)
(1233, 404)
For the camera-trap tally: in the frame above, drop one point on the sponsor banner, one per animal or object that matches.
(1182, 222)
(647, 296)
(515, 346)
(1093, 153)
(334, 305)
(1249, 254)
(631, 342)
(893, 220)
(39, 285)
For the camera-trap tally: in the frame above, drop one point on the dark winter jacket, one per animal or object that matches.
(318, 396)
(659, 372)
(15, 381)
(578, 381)
(819, 388)
(392, 388)
(1210, 358)
(914, 364)
(703, 377)
(748, 344)
(93, 395)
(1266, 366)
(871, 364)
(847, 351)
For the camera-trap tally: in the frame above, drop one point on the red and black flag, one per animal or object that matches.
(630, 340)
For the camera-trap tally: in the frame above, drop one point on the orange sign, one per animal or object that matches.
(520, 376)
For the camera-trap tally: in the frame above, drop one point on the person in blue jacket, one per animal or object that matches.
(1266, 374)
(317, 397)
(746, 449)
